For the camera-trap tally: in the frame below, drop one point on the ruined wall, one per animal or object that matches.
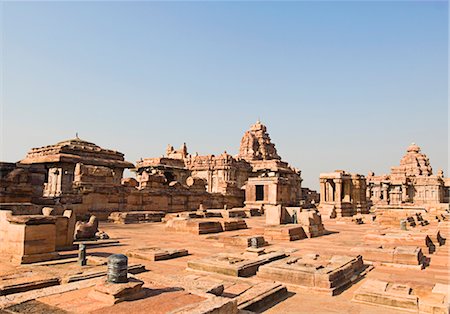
(21, 183)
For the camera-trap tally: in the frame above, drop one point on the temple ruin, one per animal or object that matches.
(192, 233)
(412, 183)
(343, 194)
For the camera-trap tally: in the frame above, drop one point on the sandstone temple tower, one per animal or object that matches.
(256, 144)
(411, 183)
(271, 181)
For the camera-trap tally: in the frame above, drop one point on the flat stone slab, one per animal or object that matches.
(387, 294)
(25, 283)
(156, 253)
(242, 240)
(31, 219)
(211, 305)
(261, 295)
(324, 275)
(205, 225)
(195, 226)
(118, 292)
(192, 283)
(237, 265)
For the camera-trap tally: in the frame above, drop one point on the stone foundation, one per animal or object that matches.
(156, 253)
(314, 272)
(404, 255)
(114, 293)
(285, 233)
(237, 265)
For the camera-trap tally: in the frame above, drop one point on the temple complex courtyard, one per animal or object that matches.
(170, 284)
(219, 234)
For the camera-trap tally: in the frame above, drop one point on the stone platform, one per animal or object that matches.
(113, 293)
(387, 294)
(285, 233)
(204, 226)
(239, 265)
(156, 253)
(427, 240)
(404, 255)
(320, 274)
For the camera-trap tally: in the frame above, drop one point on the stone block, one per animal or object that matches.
(113, 293)
(285, 233)
(322, 275)
(156, 253)
(234, 264)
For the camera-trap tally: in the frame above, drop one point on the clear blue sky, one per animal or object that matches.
(340, 85)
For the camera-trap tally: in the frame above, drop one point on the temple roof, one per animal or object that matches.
(414, 163)
(76, 150)
(256, 144)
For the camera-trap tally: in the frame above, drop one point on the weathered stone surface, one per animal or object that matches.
(27, 239)
(261, 296)
(285, 232)
(404, 238)
(214, 305)
(156, 253)
(322, 275)
(342, 194)
(410, 183)
(196, 226)
(405, 255)
(118, 292)
(387, 294)
(136, 217)
(234, 264)
(86, 230)
(18, 285)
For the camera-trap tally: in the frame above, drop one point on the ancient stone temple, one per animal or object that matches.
(257, 170)
(76, 164)
(271, 181)
(88, 179)
(221, 175)
(81, 175)
(21, 183)
(342, 194)
(256, 144)
(410, 183)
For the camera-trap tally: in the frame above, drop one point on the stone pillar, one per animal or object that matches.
(323, 191)
(404, 194)
(330, 192)
(338, 191)
(82, 255)
(347, 191)
(385, 195)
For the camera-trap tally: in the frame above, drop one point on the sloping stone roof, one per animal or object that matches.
(74, 151)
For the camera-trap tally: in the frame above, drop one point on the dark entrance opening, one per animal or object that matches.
(169, 176)
(260, 192)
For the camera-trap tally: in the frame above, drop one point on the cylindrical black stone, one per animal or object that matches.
(117, 268)
(82, 254)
